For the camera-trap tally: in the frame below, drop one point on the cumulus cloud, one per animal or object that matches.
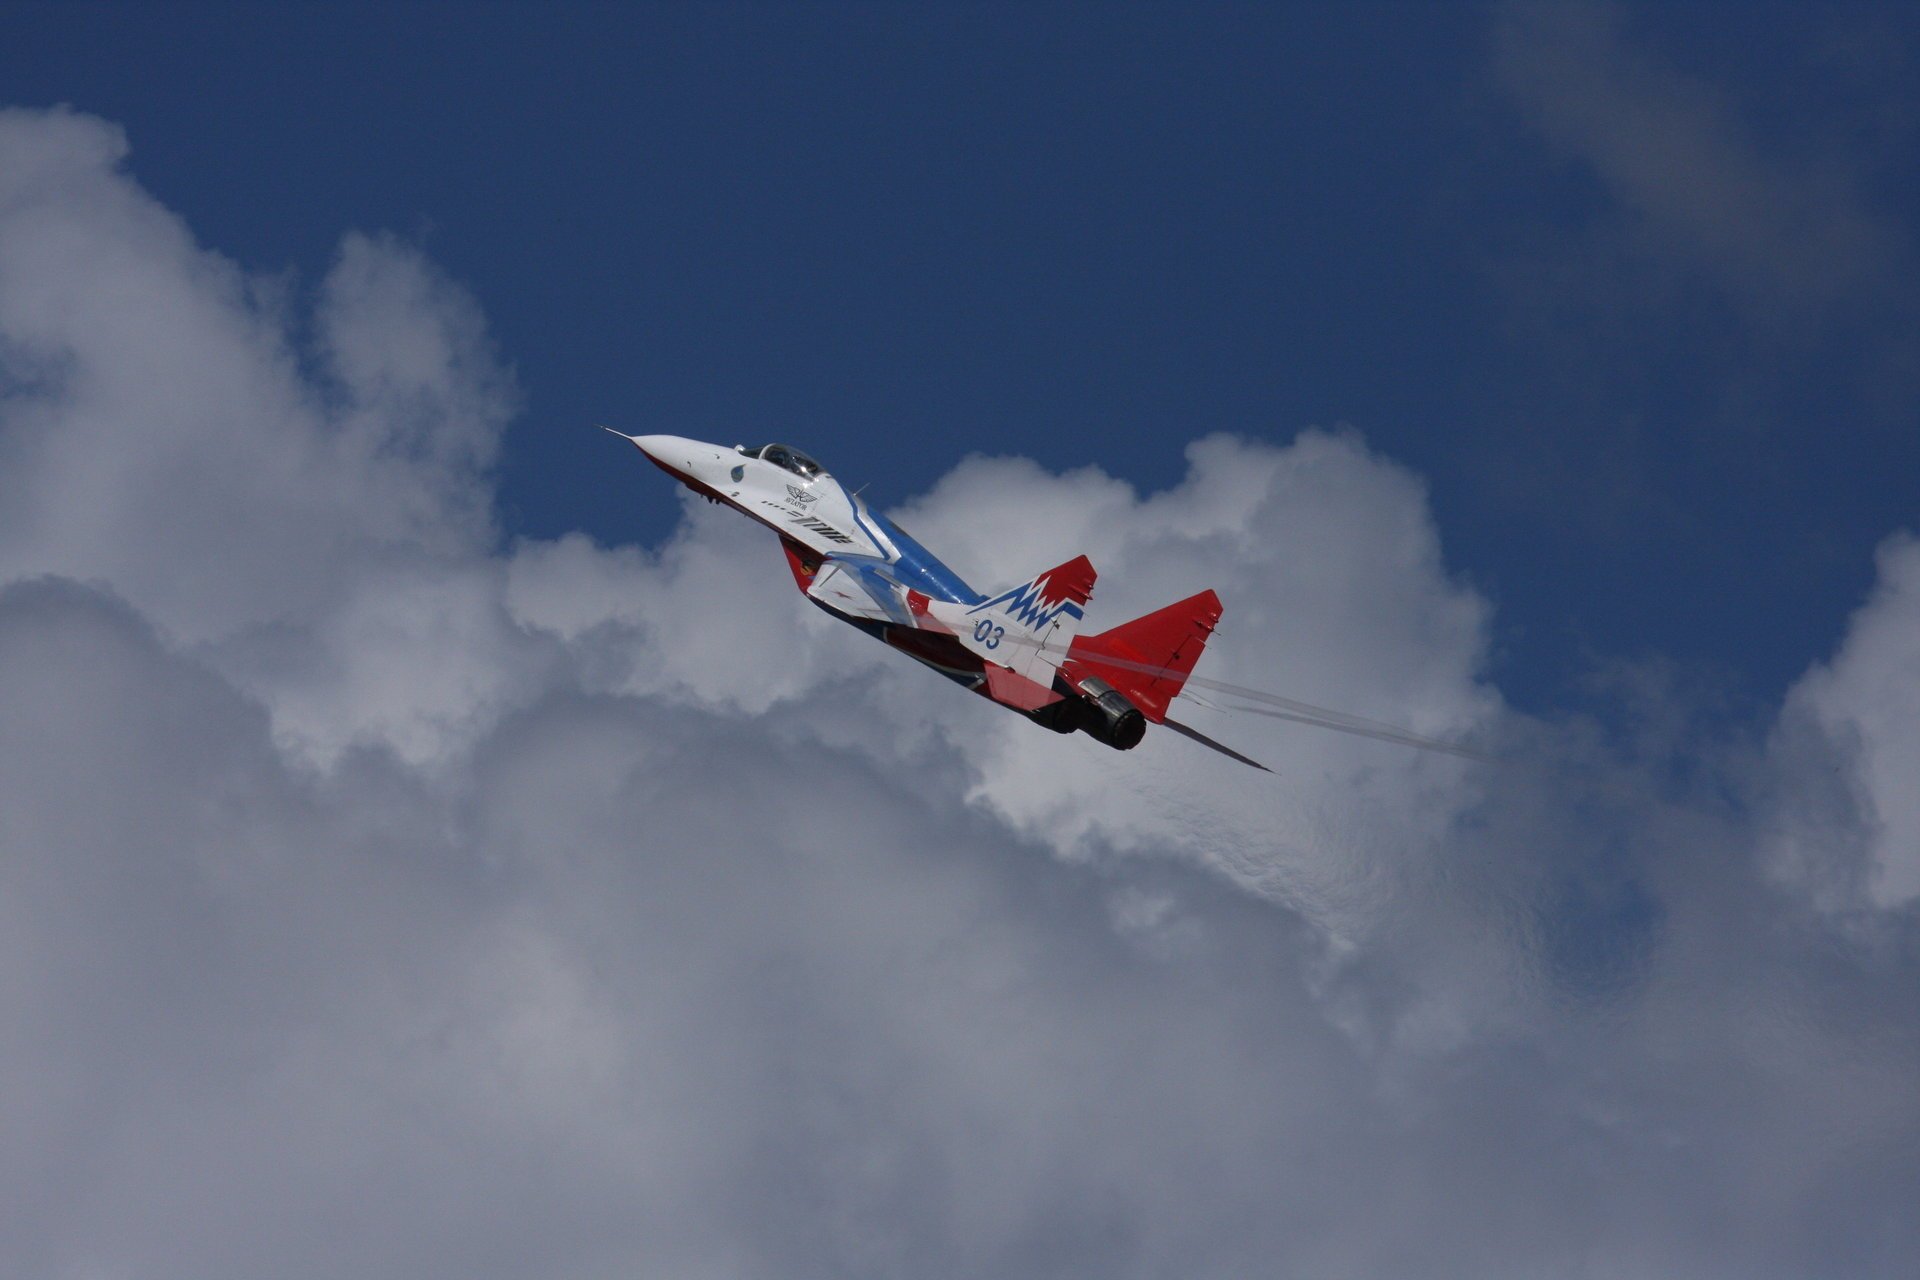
(1849, 750)
(377, 897)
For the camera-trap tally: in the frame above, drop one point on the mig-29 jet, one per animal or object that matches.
(1021, 647)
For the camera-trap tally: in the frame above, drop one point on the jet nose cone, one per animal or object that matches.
(673, 451)
(690, 460)
(662, 448)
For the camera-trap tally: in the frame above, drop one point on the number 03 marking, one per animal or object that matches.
(987, 634)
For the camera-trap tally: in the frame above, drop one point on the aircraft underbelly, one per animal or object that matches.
(867, 592)
(941, 652)
(952, 659)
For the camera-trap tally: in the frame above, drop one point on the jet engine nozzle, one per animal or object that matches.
(1108, 717)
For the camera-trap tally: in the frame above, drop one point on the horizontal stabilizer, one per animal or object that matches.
(1188, 731)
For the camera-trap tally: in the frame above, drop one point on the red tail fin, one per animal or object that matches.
(1167, 642)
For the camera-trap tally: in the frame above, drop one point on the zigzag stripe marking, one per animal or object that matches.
(1026, 603)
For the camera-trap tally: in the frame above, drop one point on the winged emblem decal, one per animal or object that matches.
(800, 496)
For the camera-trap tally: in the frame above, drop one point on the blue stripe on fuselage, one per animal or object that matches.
(918, 568)
(913, 566)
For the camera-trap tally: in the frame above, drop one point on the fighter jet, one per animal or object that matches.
(1021, 647)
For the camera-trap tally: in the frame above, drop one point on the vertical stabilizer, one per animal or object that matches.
(1029, 628)
(1150, 658)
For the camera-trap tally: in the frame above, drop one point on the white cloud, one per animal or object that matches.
(1849, 748)
(1334, 589)
(165, 438)
(377, 900)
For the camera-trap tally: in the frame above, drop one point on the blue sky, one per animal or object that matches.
(432, 844)
(1090, 234)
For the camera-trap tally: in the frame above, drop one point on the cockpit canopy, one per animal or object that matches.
(787, 458)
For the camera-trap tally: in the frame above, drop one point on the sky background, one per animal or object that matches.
(430, 846)
(1634, 291)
